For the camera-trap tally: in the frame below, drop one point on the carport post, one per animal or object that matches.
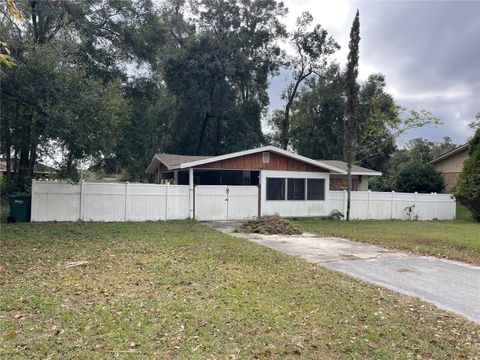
(190, 192)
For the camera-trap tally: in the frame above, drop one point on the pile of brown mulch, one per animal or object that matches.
(268, 225)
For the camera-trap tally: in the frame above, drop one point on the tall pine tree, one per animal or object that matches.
(351, 122)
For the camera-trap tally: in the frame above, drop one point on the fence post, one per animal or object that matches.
(126, 202)
(32, 204)
(415, 203)
(191, 193)
(166, 200)
(368, 204)
(434, 205)
(392, 204)
(344, 204)
(82, 199)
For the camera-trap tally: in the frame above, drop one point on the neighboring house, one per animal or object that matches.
(450, 165)
(41, 170)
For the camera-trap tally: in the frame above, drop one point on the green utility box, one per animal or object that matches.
(20, 206)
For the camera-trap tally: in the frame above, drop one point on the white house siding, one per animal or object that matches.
(291, 208)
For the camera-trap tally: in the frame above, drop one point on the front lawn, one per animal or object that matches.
(182, 290)
(458, 239)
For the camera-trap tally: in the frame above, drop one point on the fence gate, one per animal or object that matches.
(222, 202)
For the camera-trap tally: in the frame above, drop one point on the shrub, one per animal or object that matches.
(336, 215)
(422, 178)
(467, 189)
(268, 225)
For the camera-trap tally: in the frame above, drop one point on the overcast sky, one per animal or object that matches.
(429, 52)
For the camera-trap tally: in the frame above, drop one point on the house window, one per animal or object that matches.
(316, 189)
(275, 189)
(265, 157)
(296, 189)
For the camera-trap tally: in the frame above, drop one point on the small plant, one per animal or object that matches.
(336, 215)
(410, 212)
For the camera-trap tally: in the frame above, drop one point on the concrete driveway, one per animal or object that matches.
(450, 285)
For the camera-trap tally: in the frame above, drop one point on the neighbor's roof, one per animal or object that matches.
(177, 162)
(450, 153)
(356, 170)
(39, 167)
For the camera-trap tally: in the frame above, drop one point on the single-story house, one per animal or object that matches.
(291, 183)
(450, 165)
(40, 170)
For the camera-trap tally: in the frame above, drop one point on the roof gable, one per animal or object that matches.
(178, 162)
(259, 150)
(450, 154)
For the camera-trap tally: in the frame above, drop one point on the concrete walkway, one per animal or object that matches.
(450, 285)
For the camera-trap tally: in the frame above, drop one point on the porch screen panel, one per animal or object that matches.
(275, 189)
(316, 189)
(296, 189)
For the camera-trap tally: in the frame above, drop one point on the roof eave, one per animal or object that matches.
(449, 154)
(372, 173)
(156, 159)
(257, 150)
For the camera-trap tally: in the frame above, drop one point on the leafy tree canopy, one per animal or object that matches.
(422, 178)
(467, 189)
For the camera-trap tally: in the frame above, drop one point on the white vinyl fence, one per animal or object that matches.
(221, 202)
(90, 201)
(372, 205)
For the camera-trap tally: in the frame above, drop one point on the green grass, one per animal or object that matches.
(458, 239)
(182, 290)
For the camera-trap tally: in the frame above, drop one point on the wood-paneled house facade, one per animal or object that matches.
(246, 168)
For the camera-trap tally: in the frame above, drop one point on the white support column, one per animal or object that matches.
(82, 200)
(175, 176)
(191, 193)
(345, 204)
(125, 216)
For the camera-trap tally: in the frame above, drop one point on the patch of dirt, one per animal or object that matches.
(349, 257)
(269, 225)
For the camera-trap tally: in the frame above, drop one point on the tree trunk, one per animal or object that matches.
(349, 189)
(33, 158)
(202, 132)
(24, 176)
(217, 145)
(8, 145)
(15, 163)
(285, 127)
(23, 167)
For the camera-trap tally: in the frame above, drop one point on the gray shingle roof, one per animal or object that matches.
(450, 153)
(174, 159)
(343, 165)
